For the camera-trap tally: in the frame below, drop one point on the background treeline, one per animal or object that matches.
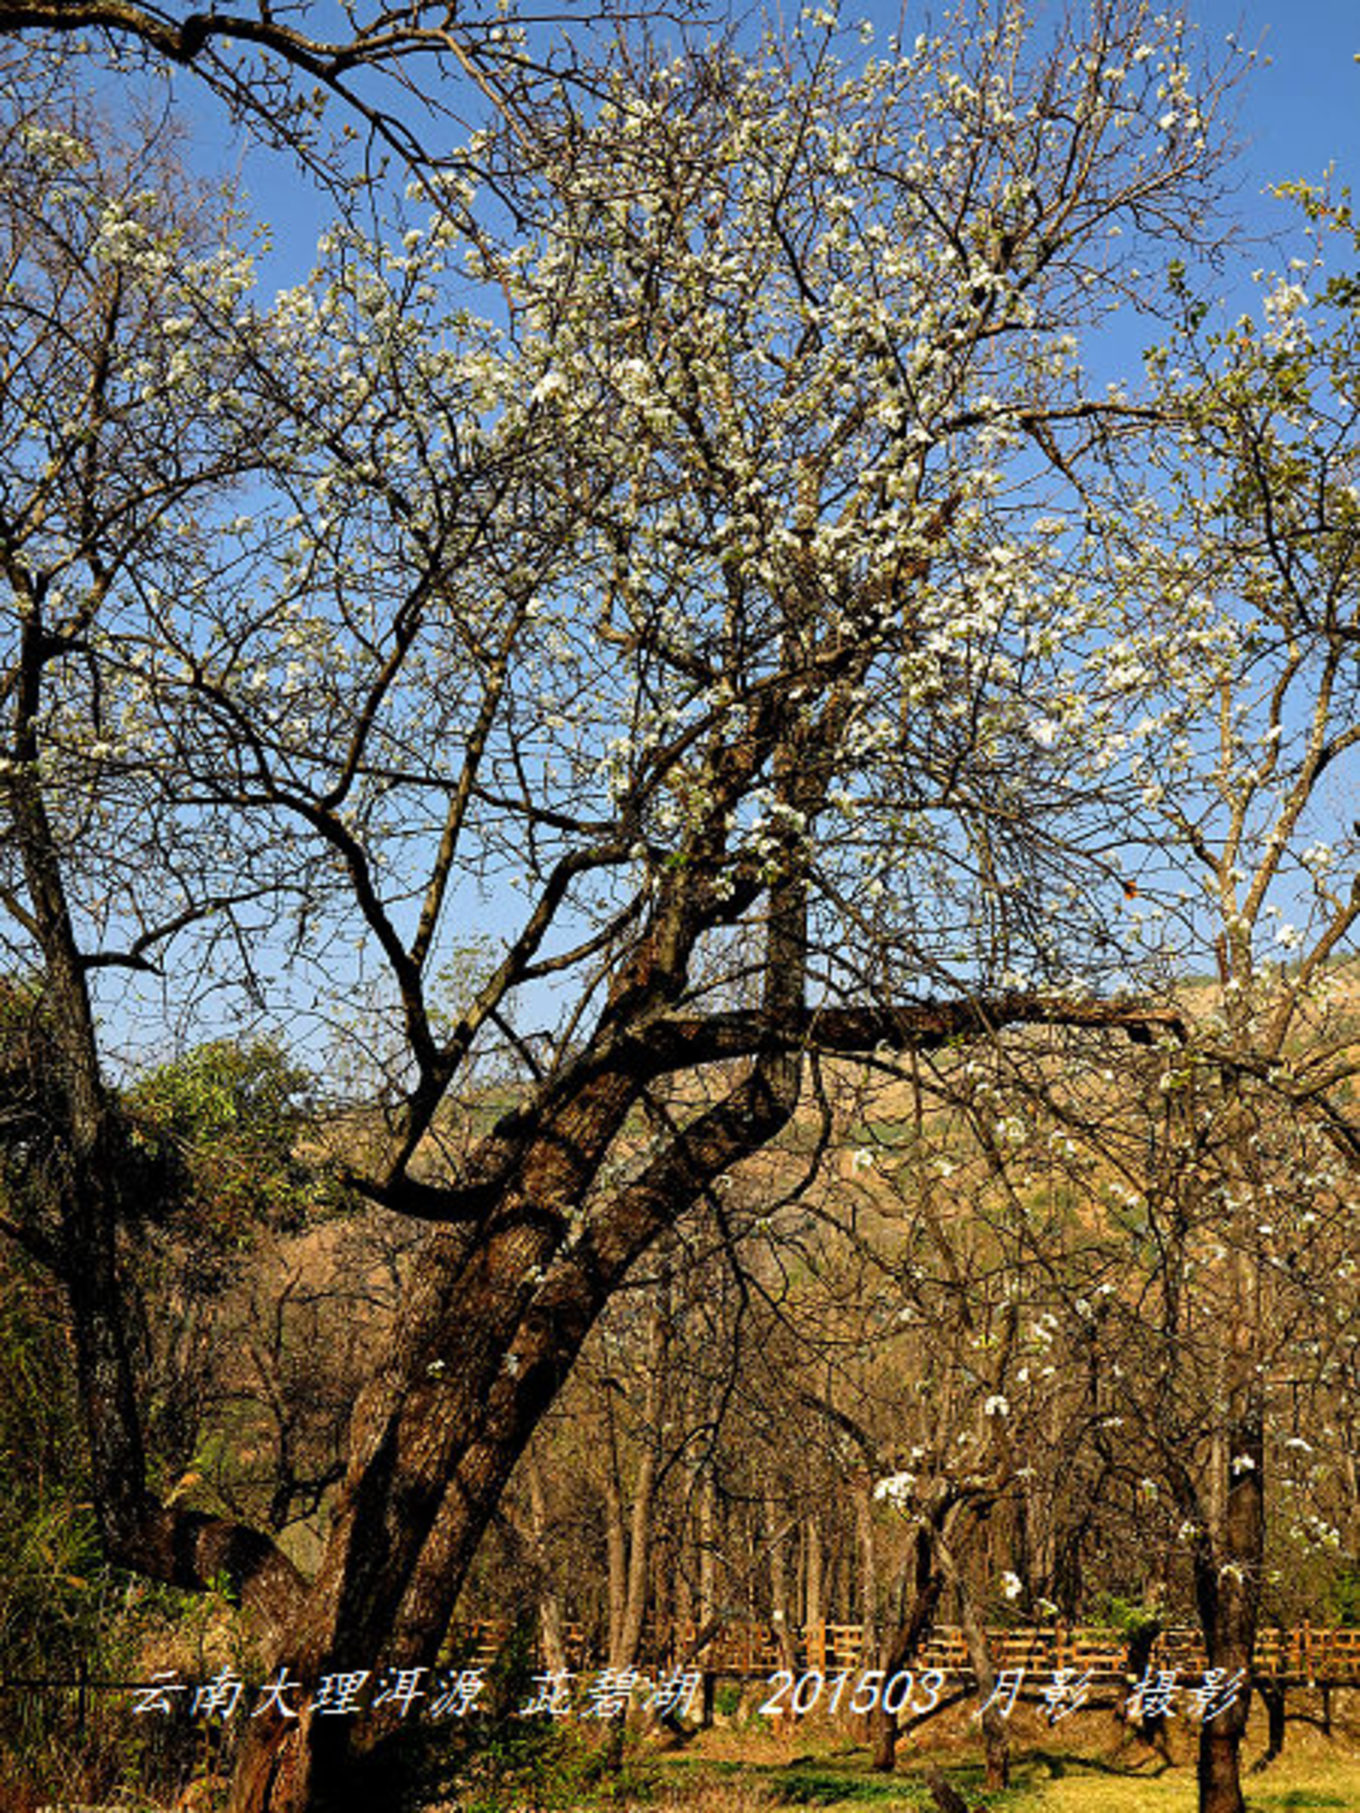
(958, 1352)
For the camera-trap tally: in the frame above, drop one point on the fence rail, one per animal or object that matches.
(1307, 1654)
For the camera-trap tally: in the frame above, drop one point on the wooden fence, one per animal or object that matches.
(1306, 1655)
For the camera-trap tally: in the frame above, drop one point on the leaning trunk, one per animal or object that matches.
(493, 1322)
(490, 1332)
(900, 1650)
(434, 1440)
(996, 1744)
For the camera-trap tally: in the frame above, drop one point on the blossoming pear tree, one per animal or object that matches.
(1252, 1149)
(674, 574)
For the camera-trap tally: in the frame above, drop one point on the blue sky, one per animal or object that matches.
(1302, 112)
(1298, 114)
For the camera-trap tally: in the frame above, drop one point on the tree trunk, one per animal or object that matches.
(549, 1603)
(1274, 1698)
(868, 1569)
(708, 1547)
(995, 1737)
(434, 1440)
(776, 1537)
(814, 1608)
(1227, 1586)
(630, 1540)
(1220, 1785)
(638, 1579)
(996, 1747)
(996, 1742)
(489, 1332)
(615, 1545)
(901, 1648)
(1151, 1726)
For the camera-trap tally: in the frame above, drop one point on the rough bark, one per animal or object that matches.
(1274, 1698)
(1218, 1771)
(901, 1647)
(479, 1356)
(549, 1603)
(995, 1737)
(1227, 1585)
(868, 1566)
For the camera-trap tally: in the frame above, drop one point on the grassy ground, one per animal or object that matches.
(1089, 1772)
(1086, 1765)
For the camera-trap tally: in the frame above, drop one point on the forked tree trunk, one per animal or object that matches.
(489, 1332)
(403, 1539)
(435, 1438)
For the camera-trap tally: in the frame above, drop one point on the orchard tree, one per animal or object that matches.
(708, 617)
(1218, 1296)
(1265, 1149)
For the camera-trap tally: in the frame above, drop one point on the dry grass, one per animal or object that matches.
(1090, 1772)
(1303, 1780)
